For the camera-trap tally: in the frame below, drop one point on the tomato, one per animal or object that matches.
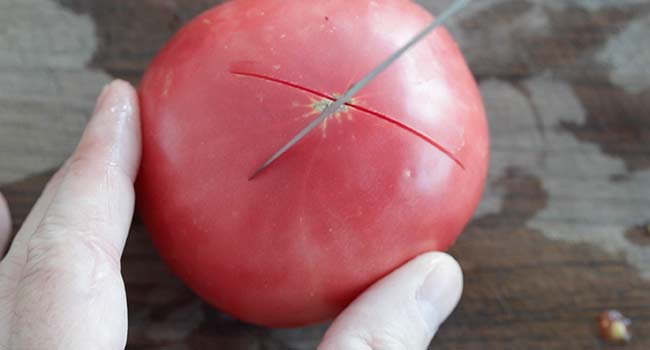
(396, 172)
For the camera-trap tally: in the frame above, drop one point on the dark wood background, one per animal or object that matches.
(561, 234)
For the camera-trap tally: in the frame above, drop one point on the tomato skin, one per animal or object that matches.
(354, 200)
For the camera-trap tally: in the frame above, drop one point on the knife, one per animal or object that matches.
(454, 8)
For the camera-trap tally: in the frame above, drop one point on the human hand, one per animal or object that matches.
(60, 282)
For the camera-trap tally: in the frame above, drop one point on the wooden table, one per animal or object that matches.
(561, 234)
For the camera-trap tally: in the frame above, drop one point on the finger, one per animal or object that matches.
(403, 310)
(5, 226)
(96, 196)
(71, 293)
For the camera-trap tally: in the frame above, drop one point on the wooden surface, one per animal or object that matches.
(560, 235)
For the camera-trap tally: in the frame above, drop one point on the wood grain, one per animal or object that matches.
(561, 233)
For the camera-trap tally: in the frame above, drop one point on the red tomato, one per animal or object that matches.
(358, 197)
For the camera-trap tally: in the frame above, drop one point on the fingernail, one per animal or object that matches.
(440, 292)
(114, 99)
(115, 122)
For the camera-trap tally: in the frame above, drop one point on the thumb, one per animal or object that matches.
(403, 310)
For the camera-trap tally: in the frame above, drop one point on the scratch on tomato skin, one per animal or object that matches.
(412, 130)
(282, 82)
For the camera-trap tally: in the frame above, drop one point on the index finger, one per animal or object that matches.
(95, 198)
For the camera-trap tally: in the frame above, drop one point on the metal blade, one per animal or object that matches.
(347, 96)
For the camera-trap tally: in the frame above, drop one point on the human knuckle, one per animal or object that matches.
(60, 247)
